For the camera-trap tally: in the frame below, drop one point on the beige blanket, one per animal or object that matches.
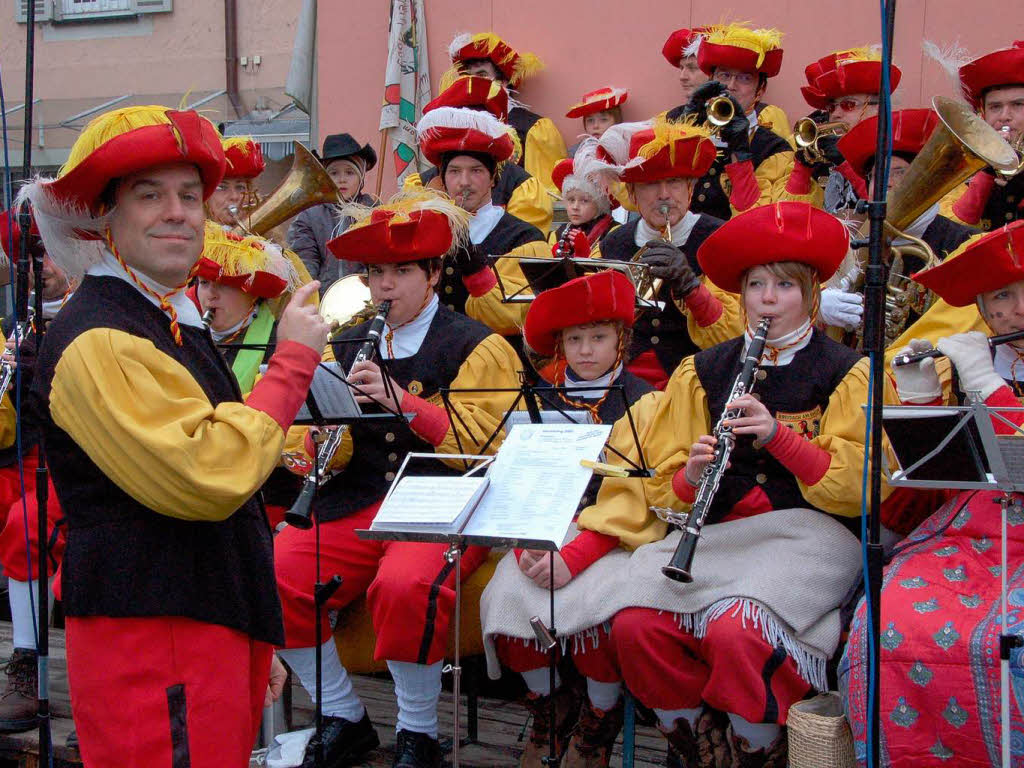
(786, 572)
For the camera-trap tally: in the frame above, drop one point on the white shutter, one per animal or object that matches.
(153, 6)
(43, 10)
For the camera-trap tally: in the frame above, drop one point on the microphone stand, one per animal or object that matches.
(25, 222)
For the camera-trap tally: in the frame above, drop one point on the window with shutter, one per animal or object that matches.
(44, 10)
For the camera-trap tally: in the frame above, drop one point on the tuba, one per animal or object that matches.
(961, 145)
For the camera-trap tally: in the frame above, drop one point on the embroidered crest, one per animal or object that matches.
(927, 606)
(981, 545)
(807, 424)
(891, 637)
(970, 601)
(946, 637)
(415, 387)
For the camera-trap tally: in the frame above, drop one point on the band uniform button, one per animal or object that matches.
(761, 478)
(451, 307)
(392, 457)
(701, 197)
(655, 339)
(389, 476)
(707, 185)
(389, 437)
(655, 322)
(712, 171)
(448, 289)
(449, 270)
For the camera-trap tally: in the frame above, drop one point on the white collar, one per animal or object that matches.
(595, 389)
(785, 357)
(919, 225)
(406, 340)
(228, 333)
(680, 232)
(108, 266)
(752, 120)
(1004, 359)
(484, 221)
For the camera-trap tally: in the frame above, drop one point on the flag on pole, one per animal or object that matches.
(406, 84)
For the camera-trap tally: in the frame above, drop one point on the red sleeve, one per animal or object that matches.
(586, 549)
(430, 422)
(799, 182)
(686, 492)
(803, 458)
(1004, 398)
(972, 202)
(860, 187)
(479, 282)
(704, 306)
(282, 390)
(745, 192)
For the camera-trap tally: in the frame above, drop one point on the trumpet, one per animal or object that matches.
(647, 287)
(207, 318)
(807, 134)
(299, 514)
(720, 111)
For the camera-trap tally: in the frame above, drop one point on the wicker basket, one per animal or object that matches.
(819, 735)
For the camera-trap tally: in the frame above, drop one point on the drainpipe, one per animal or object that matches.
(231, 56)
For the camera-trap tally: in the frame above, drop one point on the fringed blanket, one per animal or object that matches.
(786, 571)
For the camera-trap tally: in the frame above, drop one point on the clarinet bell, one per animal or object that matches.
(300, 515)
(677, 574)
(680, 568)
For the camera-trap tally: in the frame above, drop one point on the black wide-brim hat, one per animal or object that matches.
(341, 145)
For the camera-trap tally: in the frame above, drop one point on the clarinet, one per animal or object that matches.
(300, 513)
(6, 369)
(680, 568)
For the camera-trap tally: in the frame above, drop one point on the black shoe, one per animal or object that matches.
(416, 750)
(345, 742)
(18, 705)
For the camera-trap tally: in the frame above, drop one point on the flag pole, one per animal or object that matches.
(380, 162)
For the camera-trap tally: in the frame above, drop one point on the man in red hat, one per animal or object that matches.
(515, 190)
(409, 587)
(994, 85)
(487, 55)
(754, 158)
(659, 166)
(168, 557)
(843, 88)
(235, 196)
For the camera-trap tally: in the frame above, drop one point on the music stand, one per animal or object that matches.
(981, 460)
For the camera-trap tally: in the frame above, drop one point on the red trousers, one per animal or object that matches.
(164, 691)
(731, 668)
(409, 587)
(12, 537)
(275, 515)
(593, 657)
(10, 480)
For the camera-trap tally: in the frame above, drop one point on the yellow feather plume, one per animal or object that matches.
(406, 202)
(109, 126)
(667, 133)
(243, 256)
(526, 64)
(864, 53)
(740, 35)
(244, 144)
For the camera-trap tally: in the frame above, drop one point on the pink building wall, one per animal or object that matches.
(587, 44)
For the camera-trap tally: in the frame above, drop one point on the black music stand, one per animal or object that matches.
(973, 457)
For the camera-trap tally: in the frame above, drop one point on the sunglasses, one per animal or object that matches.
(850, 105)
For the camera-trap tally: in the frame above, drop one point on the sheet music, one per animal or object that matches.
(332, 396)
(537, 481)
(429, 502)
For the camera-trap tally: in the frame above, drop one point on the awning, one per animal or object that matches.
(276, 133)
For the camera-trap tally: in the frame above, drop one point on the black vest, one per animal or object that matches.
(509, 233)
(945, 235)
(664, 332)
(522, 120)
(1003, 204)
(379, 447)
(509, 178)
(801, 388)
(122, 559)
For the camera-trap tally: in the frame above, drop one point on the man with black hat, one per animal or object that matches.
(347, 163)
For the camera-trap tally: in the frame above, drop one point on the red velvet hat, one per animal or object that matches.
(675, 47)
(515, 66)
(986, 262)
(1002, 67)
(11, 247)
(129, 140)
(420, 224)
(454, 129)
(668, 150)
(599, 297)
(736, 46)
(244, 158)
(788, 231)
(598, 101)
(251, 264)
(467, 91)
(843, 73)
(910, 131)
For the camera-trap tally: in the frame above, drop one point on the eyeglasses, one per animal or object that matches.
(851, 105)
(740, 78)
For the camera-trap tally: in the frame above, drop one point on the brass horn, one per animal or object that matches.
(720, 111)
(807, 133)
(306, 184)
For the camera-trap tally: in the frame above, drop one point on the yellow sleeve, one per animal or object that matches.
(507, 318)
(531, 202)
(147, 424)
(728, 326)
(668, 423)
(8, 415)
(543, 148)
(492, 364)
(774, 119)
(946, 204)
(938, 321)
(842, 436)
(412, 181)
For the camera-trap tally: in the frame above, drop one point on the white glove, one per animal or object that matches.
(917, 382)
(841, 308)
(970, 353)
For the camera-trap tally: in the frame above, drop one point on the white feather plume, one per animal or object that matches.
(694, 46)
(459, 117)
(950, 58)
(460, 41)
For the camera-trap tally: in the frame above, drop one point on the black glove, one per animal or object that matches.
(695, 106)
(470, 259)
(736, 133)
(671, 265)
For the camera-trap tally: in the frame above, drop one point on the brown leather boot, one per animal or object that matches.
(18, 696)
(567, 700)
(593, 736)
(775, 755)
(713, 748)
(682, 745)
